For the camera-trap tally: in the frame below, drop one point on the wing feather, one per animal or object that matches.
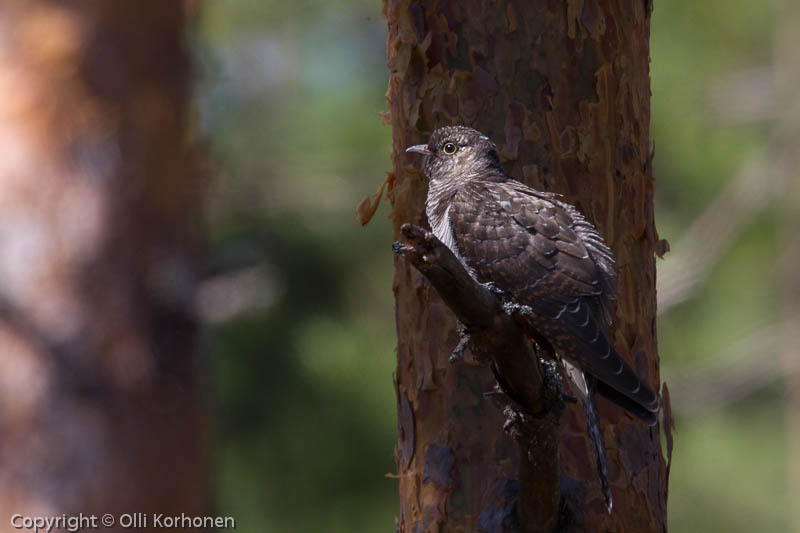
(546, 255)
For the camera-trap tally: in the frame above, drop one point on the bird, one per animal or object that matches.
(541, 252)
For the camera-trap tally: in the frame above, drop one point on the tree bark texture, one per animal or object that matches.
(563, 89)
(531, 394)
(99, 199)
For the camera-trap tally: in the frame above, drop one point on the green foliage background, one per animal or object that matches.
(289, 95)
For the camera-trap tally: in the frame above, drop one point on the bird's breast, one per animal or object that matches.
(439, 219)
(440, 225)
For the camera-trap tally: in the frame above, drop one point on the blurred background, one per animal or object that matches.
(289, 96)
(296, 308)
(305, 412)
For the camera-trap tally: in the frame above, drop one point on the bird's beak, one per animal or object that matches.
(419, 148)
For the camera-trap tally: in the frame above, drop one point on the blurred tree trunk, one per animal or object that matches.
(99, 401)
(563, 88)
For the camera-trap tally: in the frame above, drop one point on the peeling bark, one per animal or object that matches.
(563, 89)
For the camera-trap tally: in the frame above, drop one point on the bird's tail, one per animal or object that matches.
(617, 381)
(596, 438)
(634, 408)
(585, 386)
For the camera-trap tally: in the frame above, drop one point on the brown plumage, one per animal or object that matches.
(535, 248)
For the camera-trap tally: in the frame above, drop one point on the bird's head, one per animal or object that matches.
(458, 152)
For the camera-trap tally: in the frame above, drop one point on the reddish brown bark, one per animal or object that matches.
(496, 334)
(98, 194)
(563, 89)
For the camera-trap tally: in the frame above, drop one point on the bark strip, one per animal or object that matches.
(494, 332)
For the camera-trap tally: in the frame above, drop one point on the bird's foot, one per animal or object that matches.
(468, 350)
(553, 387)
(458, 351)
(495, 289)
(513, 308)
(514, 422)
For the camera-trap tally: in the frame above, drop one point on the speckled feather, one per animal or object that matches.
(536, 248)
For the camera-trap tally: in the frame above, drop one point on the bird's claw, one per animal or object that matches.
(458, 351)
(495, 289)
(512, 308)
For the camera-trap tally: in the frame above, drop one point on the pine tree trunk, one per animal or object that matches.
(98, 200)
(563, 89)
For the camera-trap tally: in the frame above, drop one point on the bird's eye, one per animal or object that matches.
(449, 148)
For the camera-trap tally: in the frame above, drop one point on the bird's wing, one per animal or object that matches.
(548, 257)
(601, 256)
(524, 242)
